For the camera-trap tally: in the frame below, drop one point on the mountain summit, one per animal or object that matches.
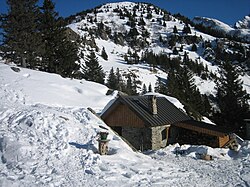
(243, 24)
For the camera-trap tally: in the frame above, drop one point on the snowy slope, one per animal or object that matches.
(33, 87)
(213, 23)
(47, 141)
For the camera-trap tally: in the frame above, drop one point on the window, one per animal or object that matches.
(164, 134)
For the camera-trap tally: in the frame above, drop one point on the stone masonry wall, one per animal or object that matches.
(140, 138)
(157, 141)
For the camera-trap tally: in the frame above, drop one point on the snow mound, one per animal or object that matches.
(195, 151)
(32, 87)
(38, 144)
(41, 145)
(244, 151)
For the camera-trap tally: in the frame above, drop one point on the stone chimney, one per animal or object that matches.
(152, 105)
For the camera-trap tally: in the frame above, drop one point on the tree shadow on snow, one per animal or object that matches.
(87, 146)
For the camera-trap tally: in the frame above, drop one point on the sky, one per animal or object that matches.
(228, 11)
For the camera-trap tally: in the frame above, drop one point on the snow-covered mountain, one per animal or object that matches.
(213, 23)
(109, 25)
(243, 24)
(49, 138)
(241, 31)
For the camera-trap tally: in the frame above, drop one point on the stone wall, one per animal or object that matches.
(140, 138)
(146, 138)
(157, 135)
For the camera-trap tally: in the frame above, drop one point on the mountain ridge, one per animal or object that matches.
(241, 30)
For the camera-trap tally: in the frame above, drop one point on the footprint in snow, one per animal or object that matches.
(26, 75)
(78, 90)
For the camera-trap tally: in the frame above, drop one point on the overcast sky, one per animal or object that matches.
(228, 11)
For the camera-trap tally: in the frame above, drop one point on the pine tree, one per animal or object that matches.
(181, 85)
(20, 36)
(112, 81)
(232, 99)
(185, 58)
(194, 47)
(60, 54)
(150, 88)
(160, 87)
(172, 84)
(92, 71)
(131, 86)
(172, 41)
(133, 33)
(144, 89)
(206, 106)
(175, 30)
(104, 54)
(141, 22)
(120, 83)
(186, 29)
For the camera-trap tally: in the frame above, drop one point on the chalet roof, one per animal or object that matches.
(202, 127)
(167, 113)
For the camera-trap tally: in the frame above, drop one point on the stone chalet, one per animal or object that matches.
(150, 122)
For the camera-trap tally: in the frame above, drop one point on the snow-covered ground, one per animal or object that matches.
(49, 138)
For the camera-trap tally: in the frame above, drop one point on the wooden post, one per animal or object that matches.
(103, 143)
(103, 147)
